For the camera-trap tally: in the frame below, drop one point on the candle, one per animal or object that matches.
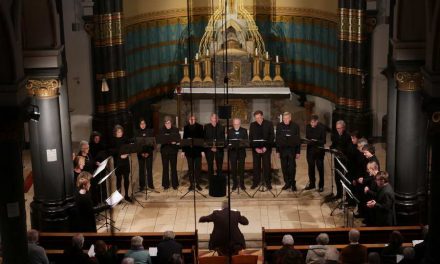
(277, 59)
(281, 118)
(207, 52)
(186, 60)
(177, 121)
(197, 56)
(256, 51)
(267, 54)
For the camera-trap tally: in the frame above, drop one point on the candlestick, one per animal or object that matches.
(186, 60)
(197, 56)
(207, 52)
(281, 118)
(256, 51)
(277, 59)
(267, 54)
(177, 121)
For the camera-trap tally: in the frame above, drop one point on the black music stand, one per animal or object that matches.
(192, 143)
(334, 154)
(236, 144)
(341, 204)
(107, 223)
(129, 149)
(346, 191)
(260, 143)
(217, 186)
(145, 144)
(287, 140)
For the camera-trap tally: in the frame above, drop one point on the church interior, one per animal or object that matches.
(75, 73)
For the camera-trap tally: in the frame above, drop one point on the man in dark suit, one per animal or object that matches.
(354, 253)
(261, 129)
(341, 141)
(237, 154)
(219, 239)
(383, 204)
(193, 155)
(316, 132)
(288, 134)
(214, 131)
(168, 247)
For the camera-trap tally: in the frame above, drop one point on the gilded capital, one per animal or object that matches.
(409, 81)
(43, 88)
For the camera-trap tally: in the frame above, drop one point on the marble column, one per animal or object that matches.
(410, 149)
(51, 158)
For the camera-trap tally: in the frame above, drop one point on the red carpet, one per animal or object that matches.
(28, 182)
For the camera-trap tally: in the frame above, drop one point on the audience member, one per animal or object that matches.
(36, 254)
(286, 254)
(137, 251)
(75, 254)
(409, 256)
(420, 248)
(373, 258)
(176, 259)
(168, 247)
(127, 261)
(316, 253)
(105, 254)
(394, 246)
(354, 253)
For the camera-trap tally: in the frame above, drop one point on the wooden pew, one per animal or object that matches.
(55, 243)
(375, 237)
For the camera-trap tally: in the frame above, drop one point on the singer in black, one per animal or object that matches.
(121, 161)
(145, 157)
(316, 133)
(288, 132)
(193, 155)
(341, 142)
(237, 155)
(169, 150)
(261, 129)
(214, 131)
(98, 152)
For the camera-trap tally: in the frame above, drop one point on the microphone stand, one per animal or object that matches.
(261, 187)
(191, 143)
(236, 144)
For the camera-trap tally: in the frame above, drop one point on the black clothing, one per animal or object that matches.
(98, 153)
(214, 133)
(288, 153)
(193, 155)
(166, 248)
(85, 213)
(315, 153)
(341, 143)
(374, 158)
(237, 155)
(287, 254)
(384, 208)
(145, 164)
(74, 255)
(258, 132)
(169, 156)
(108, 257)
(122, 165)
(219, 238)
(89, 163)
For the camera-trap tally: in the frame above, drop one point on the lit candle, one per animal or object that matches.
(281, 118)
(277, 59)
(197, 56)
(186, 60)
(256, 51)
(207, 52)
(267, 54)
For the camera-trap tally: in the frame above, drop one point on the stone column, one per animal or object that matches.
(53, 182)
(391, 126)
(410, 148)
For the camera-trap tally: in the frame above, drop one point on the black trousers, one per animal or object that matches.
(146, 166)
(288, 166)
(237, 167)
(169, 160)
(218, 156)
(194, 168)
(265, 160)
(318, 160)
(123, 172)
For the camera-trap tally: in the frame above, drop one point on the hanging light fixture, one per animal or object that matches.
(104, 86)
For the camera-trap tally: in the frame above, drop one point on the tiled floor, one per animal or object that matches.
(167, 211)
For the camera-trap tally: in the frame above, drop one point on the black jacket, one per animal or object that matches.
(115, 151)
(166, 249)
(283, 132)
(85, 213)
(289, 255)
(170, 135)
(145, 133)
(217, 133)
(193, 131)
(341, 142)
(241, 133)
(319, 133)
(384, 208)
(263, 131)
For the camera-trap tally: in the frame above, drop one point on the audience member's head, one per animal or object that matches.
(425, 231)
(100, 247)
(176, 259)
(287, 240)
(136, 242)
(127, 261)
(396, 239)
(32, 236)
(373, 258)
(225, 204)
(168, 235)
(409, 253)
(354, 235)
(78, 241)
(322, 239)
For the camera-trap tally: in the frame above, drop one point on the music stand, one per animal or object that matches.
(236, 144)
(146, 144)
(192, 143)
(129, 149)
(341, 203)
(107, 223)
(168, 138)
(345, 191)
(287, 140)
(260, 143)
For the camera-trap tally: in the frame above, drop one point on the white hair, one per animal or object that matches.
(288, 240)
(82, 143)
(169, 235)
(322, 239)
(136, 241)
(78, 240)
(340, 122)
(127, 261)
(354, 236)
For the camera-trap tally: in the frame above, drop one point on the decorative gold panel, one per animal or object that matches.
(44, 88)
(409, 81)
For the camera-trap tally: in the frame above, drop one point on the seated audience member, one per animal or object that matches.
(354, 253)
(394, 245)
(75, 254)
(168, 247)
(36, 254)
(137, 251)
(105, 254)
(286, 254)
(331, 256)
(373, 258)
(175, 259)
(409, 256)
(316, 253)
(421, 247)
(127, 261)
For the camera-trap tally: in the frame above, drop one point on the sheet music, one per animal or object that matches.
(101, 167)
(152, 251)
(91, 251)
(106, 176)
(114, 199)
(415, 242)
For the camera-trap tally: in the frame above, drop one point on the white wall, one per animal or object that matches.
(324, 108)
(79, 71)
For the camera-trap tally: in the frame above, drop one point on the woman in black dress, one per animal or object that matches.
(85, 220)
(121, 161)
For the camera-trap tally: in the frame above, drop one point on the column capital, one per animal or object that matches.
(409, 81)
(43, 88)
